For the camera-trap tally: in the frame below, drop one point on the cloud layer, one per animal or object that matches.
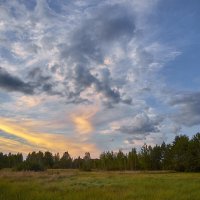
(92, 72)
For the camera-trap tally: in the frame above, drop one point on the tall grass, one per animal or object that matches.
(73, 185)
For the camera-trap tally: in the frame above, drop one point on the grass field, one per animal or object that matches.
(72, 185)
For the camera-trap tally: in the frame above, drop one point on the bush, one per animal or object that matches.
(30, 166)
(86, 166)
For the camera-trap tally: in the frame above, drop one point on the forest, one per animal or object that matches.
(183, 155)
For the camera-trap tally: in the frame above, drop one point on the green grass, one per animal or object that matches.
(73, 185)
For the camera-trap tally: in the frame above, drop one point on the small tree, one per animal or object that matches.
(66, 161)
(87, 164)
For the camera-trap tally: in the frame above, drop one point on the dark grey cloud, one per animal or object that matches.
(78, 48)
(89, 43)
(114, 22)
(133, 138)
(142, 125)
(37, 75)
(188, 108)
(41, 79)
(89, 40)
(104, 86)
(83, 79)
(101, 27)
(38, 82)
(13, 83)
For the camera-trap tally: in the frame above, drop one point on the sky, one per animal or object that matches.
(96, 75)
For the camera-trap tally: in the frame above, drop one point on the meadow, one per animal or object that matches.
(74, 184)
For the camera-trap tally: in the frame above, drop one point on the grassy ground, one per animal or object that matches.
(72, 185)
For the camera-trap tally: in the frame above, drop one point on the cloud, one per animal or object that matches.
(70, 55)
(11, 145)
(43, 141)
(90, 42)
(42, 80)
(103, 25)
(84, 79)
(82, 119)
(142, 125)
(65, 49)
(78, 51)
(13, 83)
(187, 108)
(82, 124)
(28, 101)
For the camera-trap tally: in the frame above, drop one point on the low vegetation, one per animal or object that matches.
(76, 185)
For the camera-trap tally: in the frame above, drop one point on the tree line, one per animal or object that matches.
(183, 154)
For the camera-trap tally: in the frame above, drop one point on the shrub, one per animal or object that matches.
(30, 166)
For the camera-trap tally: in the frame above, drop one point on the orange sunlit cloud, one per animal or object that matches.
(39, 140)
(82, 124)
(15, 146)
(82, 119)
